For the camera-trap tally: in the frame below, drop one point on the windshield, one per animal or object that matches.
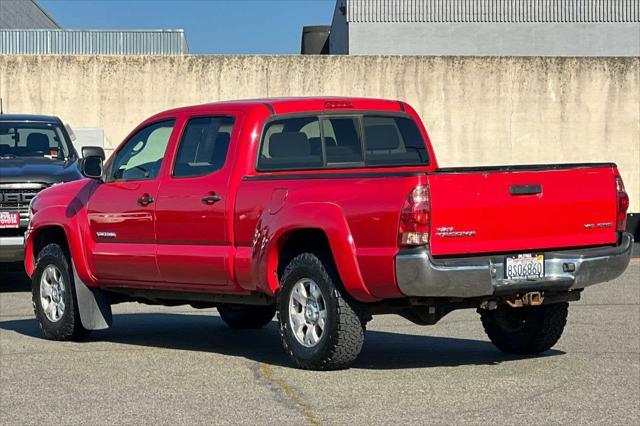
(44, 140)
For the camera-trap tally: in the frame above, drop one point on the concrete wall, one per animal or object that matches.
(478, 111)
(487, 39)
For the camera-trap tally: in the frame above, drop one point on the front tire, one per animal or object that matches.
(525, 331)
(320, 324)
(54, 296)
(246, 316)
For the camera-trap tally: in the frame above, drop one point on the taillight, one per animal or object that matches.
(415, 218)
(622, 205)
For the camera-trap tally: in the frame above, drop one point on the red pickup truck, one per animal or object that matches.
(326, 211)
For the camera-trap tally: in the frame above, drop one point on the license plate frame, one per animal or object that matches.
(525, 266)
(9, 219)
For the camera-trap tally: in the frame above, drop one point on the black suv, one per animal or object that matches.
(35, 152)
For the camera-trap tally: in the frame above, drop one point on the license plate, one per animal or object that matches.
(524, 267)
(9, 220)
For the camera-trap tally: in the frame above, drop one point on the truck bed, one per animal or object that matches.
(522, 208)
(521, 167)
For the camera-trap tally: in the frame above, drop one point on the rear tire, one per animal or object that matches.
(246, 316)
(54, 296)
(525, 331)
(321, 326)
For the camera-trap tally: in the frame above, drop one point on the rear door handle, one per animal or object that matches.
(145, 200)
(525, 189)
(211, 199)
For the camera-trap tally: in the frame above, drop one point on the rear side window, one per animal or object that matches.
(328, 141)
(203, 147)
(291, 144)
(393, 141)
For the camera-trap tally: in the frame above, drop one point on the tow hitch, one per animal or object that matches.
(534, 298)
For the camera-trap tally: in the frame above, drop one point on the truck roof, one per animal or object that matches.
(284, 105)
(30, 117)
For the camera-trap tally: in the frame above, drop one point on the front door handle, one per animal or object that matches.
(211, 199)
(145, 200)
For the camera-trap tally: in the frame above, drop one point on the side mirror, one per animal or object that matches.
(91, 162)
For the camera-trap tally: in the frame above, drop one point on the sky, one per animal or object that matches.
(211, 26)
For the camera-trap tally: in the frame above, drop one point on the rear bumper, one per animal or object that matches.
(11, 249)
(418, 274)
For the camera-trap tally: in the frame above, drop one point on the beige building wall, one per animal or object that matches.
(478, 110)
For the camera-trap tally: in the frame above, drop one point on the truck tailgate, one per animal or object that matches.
(522, 208)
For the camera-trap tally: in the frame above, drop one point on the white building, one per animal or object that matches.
(486, 27)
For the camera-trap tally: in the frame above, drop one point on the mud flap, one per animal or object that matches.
(93, 305)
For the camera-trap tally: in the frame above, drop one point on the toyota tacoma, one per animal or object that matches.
(324, 212)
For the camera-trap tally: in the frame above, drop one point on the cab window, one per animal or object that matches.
(393, 141)
(292, 143)
(141, 156)
(341, 137)
(203, 147)
(346, 141)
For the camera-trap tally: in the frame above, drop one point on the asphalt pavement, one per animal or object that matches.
(181, 365)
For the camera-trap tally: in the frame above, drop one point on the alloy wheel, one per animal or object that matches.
(52, 293)
(307, 312)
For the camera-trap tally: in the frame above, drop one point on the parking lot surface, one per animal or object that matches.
(181, 365)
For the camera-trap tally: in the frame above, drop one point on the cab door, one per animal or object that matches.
(191, 210)
(121, 210)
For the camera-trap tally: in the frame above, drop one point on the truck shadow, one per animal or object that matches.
(207, 333)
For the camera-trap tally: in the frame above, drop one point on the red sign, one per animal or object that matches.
(9, 220)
